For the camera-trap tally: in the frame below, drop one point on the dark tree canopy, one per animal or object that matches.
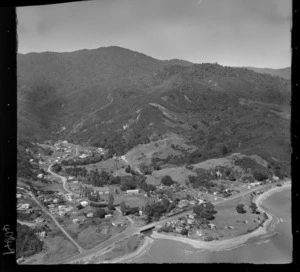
(205, 210)
(167, 180)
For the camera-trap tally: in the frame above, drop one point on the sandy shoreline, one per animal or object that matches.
(232, 242)
(141, 250)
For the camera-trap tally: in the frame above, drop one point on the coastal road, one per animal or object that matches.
(81, 250)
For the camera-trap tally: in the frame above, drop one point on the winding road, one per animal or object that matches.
(64, 180)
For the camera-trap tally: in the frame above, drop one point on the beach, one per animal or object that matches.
(139, 252)
(232, 242)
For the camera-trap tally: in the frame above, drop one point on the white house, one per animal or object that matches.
(25, 206)
(40, 175)
(19, 195)
(84, 203)
(90, 214)
(108, 216)
(275, 178)
(76, 220)
(39, 220)
(102, 190)
(132, 192)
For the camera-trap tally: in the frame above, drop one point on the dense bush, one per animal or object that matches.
(83, 161)
(27, 242)
(260, 174)
(100, 213)
(56, 168)
(167, 181)
(205, 210)
(240, 208)
(156, 210)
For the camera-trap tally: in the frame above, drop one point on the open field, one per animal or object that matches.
(107, 165)
(133, 200)
(143, 153)
(124, 247)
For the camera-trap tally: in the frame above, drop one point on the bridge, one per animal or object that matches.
(148, 227)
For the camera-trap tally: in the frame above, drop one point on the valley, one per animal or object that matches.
(113, 143)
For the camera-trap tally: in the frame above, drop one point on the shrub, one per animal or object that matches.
(240, 208)
(128, 169)
(167, 180)
(260, 174)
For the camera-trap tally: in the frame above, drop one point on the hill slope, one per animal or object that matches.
(284, 72)
(119, 98)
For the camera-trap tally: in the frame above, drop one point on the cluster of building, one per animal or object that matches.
(187, 224)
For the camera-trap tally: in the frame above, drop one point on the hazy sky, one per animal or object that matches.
(230, 32)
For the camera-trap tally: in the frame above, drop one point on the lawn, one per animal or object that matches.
(228, 216)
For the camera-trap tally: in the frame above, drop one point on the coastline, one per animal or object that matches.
(232, 242)
(139, 252)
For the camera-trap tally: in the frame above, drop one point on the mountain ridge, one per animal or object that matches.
(106, 97)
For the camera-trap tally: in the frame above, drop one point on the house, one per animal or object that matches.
(199, 233)
(102, 190)
(19, 195)
(61, 213)
(275, 178)
(190, 221)
(84, 203)
(132, 192)
(178, 229)
(212, 226)
(25, 206)
(55, 200)
(191, 216)
(39, 220)
(83, 156)
(76, 220)
(140, 212)
(108, 216)
(40, 175)
(90, 214)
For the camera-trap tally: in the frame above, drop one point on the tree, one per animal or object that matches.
(56, 168)
(260, 174)
(240, 208)
(100, 213)
(128, 169)
(184, 232)
(224, 150)
(123, 207)
(110, 205)
(205, 210)
(167, 180)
